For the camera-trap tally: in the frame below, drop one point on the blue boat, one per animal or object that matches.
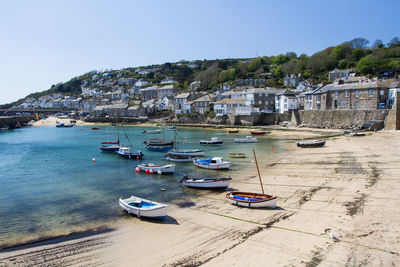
(110, 148)
(159, 148)
(60, 125)
(172, 128)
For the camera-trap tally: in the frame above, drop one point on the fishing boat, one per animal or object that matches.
(237, 155)
(215, 163)
(312, 143)
(179, 158)
(353, 133)
(205, 182)
(213, 141)
(259, 132)
(247, 139)
(233, 131)
(126, 152)
(153, 168)
(143, 207)
(252, 200)
(152, 131)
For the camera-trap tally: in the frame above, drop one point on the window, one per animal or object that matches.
(357, 94)
(370, 93)
(356, 103)
(285, 100)
(259, 102)
(346, 93)
(336, 94)
(382, 92)
(342, 103)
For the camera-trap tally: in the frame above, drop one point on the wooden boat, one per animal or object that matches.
(152, 141)
(179, 158)
(247, 139)
(259, 132)
(312, 143)
(143, 207)
(206, 182)
(233, 131)
(188, 152)
(126, 152)
(237, 155)
(213, 141)
(252, 200)
(153, 168)
(215, 163)
(350, 133)
(152, 131)
(95, 128)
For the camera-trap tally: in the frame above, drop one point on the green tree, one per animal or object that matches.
(357, 54)
(255, 64)
(280, 59)
(366, 65)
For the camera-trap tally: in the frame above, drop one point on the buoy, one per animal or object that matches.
(147, 171)
(273, 150)
(93, 160)
(159, 172)
(151, 171)
(137, 169)
(137, 157)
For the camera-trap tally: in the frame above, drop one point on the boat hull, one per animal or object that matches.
(192, 153)
(212, 166)
(132, 155)
(207, 183)
(151, 209)
(166, 169)
(109, 148)
(316, 143)
(245, 140)
(237, 155)
(159, 148)
(251, 200)
(206, 142)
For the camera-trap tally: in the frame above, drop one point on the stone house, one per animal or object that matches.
(141, 83)
(337, 74)
(182, 99)
(149, 93)
(167, 91)
(292, 79)
(202, 104)
(194, 85)
(136, 111)
(362, 96)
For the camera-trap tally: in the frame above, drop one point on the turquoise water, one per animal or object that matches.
(50, 186)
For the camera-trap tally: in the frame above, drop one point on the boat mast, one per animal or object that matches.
(117, 128)
(259, 176)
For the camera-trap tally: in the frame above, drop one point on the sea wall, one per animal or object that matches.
(259, 119)
(14, 121)
(340, 119)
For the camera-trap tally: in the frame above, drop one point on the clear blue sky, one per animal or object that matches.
(44, 42)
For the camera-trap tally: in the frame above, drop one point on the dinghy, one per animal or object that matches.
(237, 155)
(179, 158)
(312, 143)
(215, 163)
(153, 168)
(259, 132)
(213, 141)
(248, 139)
(143, 207)
(188, 152)
(233, 131)
(206, 182)
(152, 131)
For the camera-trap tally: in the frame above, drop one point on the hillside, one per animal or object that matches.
(354, 54)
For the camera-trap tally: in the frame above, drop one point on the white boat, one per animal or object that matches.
(179, 158)
(152, 131)
(143, 207)
(213, 141)
(153, 168)
(248, 139)
(215, 163)
(188, 152)
(206, 182)
(251, 200)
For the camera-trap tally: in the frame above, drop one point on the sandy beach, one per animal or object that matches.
(337, 206)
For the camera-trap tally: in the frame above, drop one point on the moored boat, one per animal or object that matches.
(59, 125)
(153, 168)
(213, 141)
(152, 141)
(126, 152)
(312, 143)
(206, 182)
(143, 207)
(152, 131)
(247, 139)
(171, 128)
(251, 200)
(259, 132)
(215, 163)
(95, 128)
(233, 131)
(110, 148)
(159, 148)
(179, 158)
(188, 152)
(237, 155)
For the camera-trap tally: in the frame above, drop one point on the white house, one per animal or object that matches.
(168, 80)
(141, 83)
(286, 101)
(227, 106)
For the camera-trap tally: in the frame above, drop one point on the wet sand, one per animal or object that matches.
(348, 189)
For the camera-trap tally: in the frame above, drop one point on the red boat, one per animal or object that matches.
(259, 132)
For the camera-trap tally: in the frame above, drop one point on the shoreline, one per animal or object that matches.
(346, 188)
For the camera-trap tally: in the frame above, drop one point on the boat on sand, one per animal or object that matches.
(143, 207)
(153, 168)
(209, 183)
(312, 143)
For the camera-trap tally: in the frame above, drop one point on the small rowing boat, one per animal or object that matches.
(251, 200)
(312, 143)
(215, 163)
(213, 141)
(143, 207)
(233, 131)
(188, 152)
(179, 158)
(247, 139)
(259, 132)
(209, 183)
(237, 155)
(153, 168)
(152, 131)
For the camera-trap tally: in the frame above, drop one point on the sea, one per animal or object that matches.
(56, 181)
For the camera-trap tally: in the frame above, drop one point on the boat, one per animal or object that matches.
(171, 128)
(247, 139)
(353, 133)
(69, 125)
(143, 207)
(259, 132)
(60, 125)
(206, 182)
(215, 163)
(233, 131)
(252, 200)
(152, 131)
(179, 158)
(111, 146)
(312, 143)
(159, 148)
(213, 141)
(153, 168)
(237, 155)
(95, 128)
(4, 128)
(126, 152)
(188, 152)
(152, 141)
